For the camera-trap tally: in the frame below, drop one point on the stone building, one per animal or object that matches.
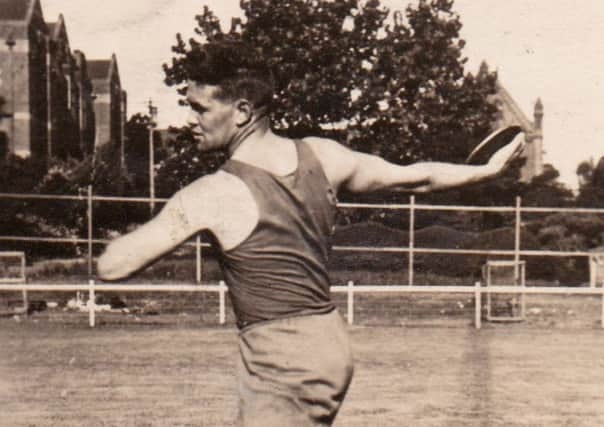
(109, 102)
(56, 103)
(24, 58)
(85, 101)
(70, 97)
(510, 113)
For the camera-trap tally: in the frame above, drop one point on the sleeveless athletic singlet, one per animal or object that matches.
(280, 269)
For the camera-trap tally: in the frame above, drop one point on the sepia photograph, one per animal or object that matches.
(301, 213)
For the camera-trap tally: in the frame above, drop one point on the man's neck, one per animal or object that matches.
(266, 150)
(250, 135)
(256, 129)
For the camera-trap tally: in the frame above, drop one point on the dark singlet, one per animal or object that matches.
(280, 269)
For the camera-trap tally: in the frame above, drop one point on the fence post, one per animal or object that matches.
(24, 291)
(89, 216)
(198, 259)
(350, 303)
(91, 303)
(517, 278)
(517, 240)
(222, 297)
(602, 307)
(477, 305)
(411, 237)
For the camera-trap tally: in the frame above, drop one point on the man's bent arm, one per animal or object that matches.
(130, 252)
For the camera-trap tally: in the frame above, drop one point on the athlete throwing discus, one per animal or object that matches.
(272, 209)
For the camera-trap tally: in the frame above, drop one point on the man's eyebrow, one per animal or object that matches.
(195, 105)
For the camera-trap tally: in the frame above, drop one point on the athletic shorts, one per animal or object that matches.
(294, 371)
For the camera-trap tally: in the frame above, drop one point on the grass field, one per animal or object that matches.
(170, 370)
(419, 361)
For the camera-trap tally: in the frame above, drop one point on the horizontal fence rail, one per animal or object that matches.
(411, 250)
(477, 290)
(75, 240)
(453, 289)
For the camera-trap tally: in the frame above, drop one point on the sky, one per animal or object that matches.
(550, 50)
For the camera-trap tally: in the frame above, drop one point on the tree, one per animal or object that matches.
(182, 163)
(136, 151)
(101, 171)
(585, 171)
(591, 184)
(390, 86)
(546, 190)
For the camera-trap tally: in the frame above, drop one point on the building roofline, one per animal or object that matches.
(514, 108)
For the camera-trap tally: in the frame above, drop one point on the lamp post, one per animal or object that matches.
(152, 124)
(10, 42)
(49, 95)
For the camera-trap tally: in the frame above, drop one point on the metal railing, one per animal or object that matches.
(411, 249)
(350, 289)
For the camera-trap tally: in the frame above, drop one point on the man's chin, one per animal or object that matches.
(205, 148)
(202, 144)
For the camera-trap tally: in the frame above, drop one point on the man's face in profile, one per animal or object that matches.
(211, 119)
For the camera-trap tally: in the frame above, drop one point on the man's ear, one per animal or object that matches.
(244, 112)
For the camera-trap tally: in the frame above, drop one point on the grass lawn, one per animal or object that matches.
(177, 374)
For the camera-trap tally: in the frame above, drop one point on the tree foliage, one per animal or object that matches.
(182, 163)
(59, 217)
(591, 184)
(388, 84)
(546, 190)
(136, 151)
(102, 172)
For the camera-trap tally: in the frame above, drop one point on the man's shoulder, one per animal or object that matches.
(325, 146)
(215, 183)
(329, 150)
(336, 159)
(209, 198)
(217, 189)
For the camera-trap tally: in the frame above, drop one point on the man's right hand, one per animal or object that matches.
(504, 157)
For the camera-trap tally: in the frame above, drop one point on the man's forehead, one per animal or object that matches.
(197, 90)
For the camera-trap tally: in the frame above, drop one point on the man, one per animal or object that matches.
(272, 210)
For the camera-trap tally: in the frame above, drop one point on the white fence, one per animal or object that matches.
(351, 288)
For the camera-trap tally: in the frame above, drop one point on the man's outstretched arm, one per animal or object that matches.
(359, 172)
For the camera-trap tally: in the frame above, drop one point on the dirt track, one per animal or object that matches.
(174, 374)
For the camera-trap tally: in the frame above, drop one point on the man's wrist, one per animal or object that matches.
(490, 171)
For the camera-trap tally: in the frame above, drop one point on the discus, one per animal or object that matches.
(481, 154)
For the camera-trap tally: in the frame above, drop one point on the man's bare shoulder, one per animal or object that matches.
(338, 161)
(214, 195)
(222, 203)
(325, 146)
(212, 186)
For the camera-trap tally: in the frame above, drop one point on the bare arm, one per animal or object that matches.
(131, 252)
(372, 173)
(219, 202)
(360, 172)
(192, 209)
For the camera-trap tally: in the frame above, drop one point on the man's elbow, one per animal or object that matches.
(110, 267)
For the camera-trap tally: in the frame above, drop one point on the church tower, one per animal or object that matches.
(537, 138)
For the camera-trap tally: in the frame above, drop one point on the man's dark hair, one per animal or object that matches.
(237, 69)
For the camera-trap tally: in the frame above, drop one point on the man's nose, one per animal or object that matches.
(192, 119)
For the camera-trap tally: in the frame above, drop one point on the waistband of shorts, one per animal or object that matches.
(244, 328)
